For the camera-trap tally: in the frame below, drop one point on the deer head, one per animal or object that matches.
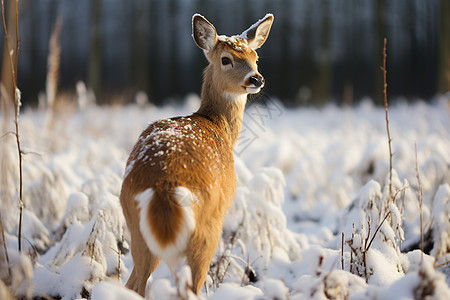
(234, 58)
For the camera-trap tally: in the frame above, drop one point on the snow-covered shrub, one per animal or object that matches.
(276, 237)
(255, 227)
(336, 284)
(88, 250)
(109, 290)
(421, 282)
(18, 274)
(372, 230)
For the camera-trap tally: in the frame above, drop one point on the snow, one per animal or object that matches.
(304, 177)
(244, 35)
(111, 291)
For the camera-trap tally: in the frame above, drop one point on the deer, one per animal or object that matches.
(179, 178)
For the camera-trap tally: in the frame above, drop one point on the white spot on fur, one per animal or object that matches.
(173, 253)
(235, 97)
(252, 89)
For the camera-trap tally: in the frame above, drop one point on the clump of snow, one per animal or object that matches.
(304, 176)
(235, 42)
(111, 291)
(275, 289)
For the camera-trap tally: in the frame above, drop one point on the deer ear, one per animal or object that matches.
(257, 34)
(203, 32)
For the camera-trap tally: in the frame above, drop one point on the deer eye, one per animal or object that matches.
(226, 61)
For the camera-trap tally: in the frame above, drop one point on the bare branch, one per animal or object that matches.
(376, 231)
(420, 196)
(17, 105)
(387, 120)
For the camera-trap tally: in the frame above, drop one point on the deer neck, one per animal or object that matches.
(224, 109)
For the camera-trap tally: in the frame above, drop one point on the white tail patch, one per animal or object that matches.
(171, 254)
(184, 196)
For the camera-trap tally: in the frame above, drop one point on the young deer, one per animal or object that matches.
(180, 176)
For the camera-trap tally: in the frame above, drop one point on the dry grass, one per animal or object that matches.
(13, 59)
(387, 119)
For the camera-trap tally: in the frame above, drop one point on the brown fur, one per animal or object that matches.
(193, 152)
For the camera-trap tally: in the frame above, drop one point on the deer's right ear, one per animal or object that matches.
(203, 32)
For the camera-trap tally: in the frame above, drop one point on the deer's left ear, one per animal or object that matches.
(257, 34)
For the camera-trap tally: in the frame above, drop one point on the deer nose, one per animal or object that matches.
(256, 80)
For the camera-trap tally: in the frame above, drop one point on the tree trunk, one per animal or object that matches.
(444, 48)
(95, 55)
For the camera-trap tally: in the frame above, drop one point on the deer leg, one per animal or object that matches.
(200, 253)
(144, 264)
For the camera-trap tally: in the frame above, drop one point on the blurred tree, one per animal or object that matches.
(381, 33)
(321, 87)
(140, 42)
(95, 53)
(444, 48)
(7, 90)
(317, 50)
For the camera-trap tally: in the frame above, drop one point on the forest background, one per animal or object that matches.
(319, 50)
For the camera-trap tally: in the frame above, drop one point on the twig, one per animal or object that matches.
(401, 190)
(16, 108)
(420, 195)
(351, 252)
(6, 134)
(342, 251)
(119, 253)
(376, 231)
(229, 249)
(365, 247)
(442, 264)
(248, 270)
(387, 118)
(368, 231)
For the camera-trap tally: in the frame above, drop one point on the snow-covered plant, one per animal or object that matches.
(255, 228)
(19, 277)
(87, 251)
(375, 232)
(336, 284)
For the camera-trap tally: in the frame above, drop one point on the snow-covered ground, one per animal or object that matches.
(311, 182)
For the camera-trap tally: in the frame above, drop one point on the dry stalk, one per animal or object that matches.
(420, 196)
(118, 264)
(351, 252)
(442, 264)
(13, 56)
(248, 270)
(119, 253)
(342, 251)
(233, 238)
(366, 248)
(387, 119)
(376, 231)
